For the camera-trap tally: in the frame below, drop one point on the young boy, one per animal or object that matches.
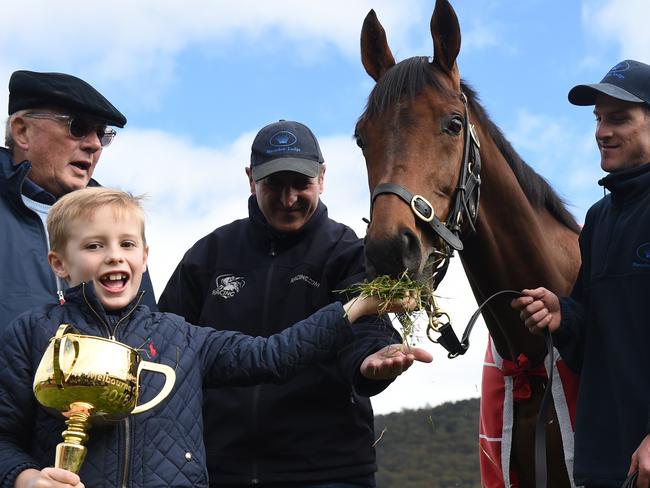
(98, 247)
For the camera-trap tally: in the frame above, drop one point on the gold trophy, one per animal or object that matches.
(91, 378)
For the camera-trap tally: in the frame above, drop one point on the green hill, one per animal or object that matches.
(429, 448)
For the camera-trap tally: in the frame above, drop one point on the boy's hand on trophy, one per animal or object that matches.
(48, 478)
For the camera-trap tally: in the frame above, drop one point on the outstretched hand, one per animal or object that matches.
(392, 360)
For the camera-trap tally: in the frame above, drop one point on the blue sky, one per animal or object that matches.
(197, 79)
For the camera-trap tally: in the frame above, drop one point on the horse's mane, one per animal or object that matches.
(408, 78)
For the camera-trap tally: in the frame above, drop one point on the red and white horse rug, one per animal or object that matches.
(504, 383)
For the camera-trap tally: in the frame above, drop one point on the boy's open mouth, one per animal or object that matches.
(114, 281)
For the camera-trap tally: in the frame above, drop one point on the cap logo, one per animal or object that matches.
(283, 138)
(618, 70)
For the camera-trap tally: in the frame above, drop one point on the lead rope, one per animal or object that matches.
(449, 340)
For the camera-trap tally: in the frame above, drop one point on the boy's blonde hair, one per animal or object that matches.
(83, 204)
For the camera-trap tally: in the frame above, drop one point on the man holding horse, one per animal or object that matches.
(602, 329)
(259, 275)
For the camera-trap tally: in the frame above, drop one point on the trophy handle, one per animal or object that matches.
(59, 376)
(170, 379)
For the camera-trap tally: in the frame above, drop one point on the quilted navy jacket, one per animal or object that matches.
(162, 447)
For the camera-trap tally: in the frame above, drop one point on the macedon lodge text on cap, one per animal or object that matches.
(285, 146)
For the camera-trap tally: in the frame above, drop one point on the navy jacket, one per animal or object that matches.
(161, 447)
(605, 330)
(26, 280)
(318, 426)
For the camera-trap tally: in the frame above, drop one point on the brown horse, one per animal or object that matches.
(418, 131)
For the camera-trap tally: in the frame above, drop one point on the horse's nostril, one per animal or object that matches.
(410, 244)
(394, 255)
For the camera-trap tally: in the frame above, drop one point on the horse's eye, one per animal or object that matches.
(454, 125)
(358, 140)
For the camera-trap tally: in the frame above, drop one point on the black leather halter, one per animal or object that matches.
(466, 200)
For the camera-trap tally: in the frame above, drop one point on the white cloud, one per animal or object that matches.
(622, 21)
(479, 35)
(191, 189)
(125, 40)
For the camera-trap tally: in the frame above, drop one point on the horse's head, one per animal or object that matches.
(412, 134)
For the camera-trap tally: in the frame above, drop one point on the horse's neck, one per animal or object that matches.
(516, 246)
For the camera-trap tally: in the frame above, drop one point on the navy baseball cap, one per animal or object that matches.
(628, 81)
(30, 89)
(285, 146)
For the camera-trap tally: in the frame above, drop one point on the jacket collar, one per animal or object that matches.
(14, 181)
(12, 176)
(266, 233)
(34, 192)
(627, 184)
(85, 298)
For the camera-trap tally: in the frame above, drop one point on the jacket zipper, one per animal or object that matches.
(257, 391)
(126, 424)
(127, 445)
(101, 320)
(616, 213)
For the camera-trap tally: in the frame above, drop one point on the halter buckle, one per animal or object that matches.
(422, 209)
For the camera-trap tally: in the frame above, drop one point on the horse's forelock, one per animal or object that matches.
(405, 80)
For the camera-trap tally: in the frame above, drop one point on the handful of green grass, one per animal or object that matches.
(388, 289)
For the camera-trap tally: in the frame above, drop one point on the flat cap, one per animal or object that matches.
(30, 89)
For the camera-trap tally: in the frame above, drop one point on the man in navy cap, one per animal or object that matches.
(602, 329)
(57, 127)
(259, 275)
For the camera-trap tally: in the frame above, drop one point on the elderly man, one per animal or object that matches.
(602, 328)
(259, 275)
(57, 128)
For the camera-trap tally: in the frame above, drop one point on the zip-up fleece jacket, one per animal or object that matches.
(162, 447)
(605, 330)
(26, 280)
(319, 425)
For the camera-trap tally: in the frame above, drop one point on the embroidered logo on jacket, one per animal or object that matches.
(306, 279)
(228, 285)
(149, 349)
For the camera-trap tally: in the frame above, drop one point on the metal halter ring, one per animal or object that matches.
(422, 208)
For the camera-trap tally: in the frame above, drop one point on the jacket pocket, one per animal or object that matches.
(171, 455)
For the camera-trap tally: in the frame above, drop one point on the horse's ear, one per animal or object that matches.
(375, 53)
(445, 31)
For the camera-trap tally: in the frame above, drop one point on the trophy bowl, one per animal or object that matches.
(88, 378)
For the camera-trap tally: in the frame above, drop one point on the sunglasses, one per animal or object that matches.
(79, 127)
